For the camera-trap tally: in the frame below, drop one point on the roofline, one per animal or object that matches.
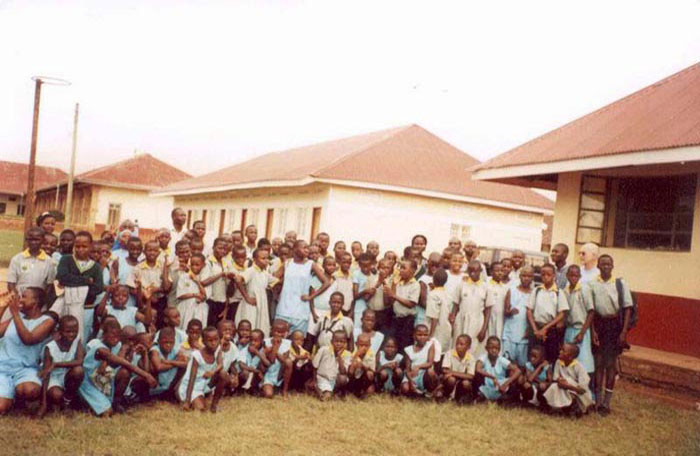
(81, 180)
(241, 186)
(639, 158)
(11, 192)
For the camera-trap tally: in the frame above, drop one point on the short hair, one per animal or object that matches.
(335, 246)
(407, 251)
(465, 336)
(67, 231)
(337, 293)
(43, 216)
(257, 252)
(210, 329)
(236, 232)
(225, 322)
(65, 320)
(244, 322)
(605, 255)
(259, 332)
(39, 294)
(364, 256)
(299, 242)
(262, 242)
(574, 266)
(194, 323)
(413, 239)
(172, 213)
(84, 233)
(35, 230)
(198, 255)
(493, 338)
(251, 226)
(420, 325)
(181, 243)
(547, 266)
(196, 222)
(367, 311)
(440, 277)
(133, 239)
(166, 331)
(51, 235)
(340, 333)
(218, 240)
(110, 325)
(574, 348)
(561, 244)
(412, 263)
(322, 233)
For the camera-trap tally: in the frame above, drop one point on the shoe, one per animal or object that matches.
(603, 410)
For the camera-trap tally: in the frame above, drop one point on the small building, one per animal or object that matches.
(105, 196)
(13, 185)
(385, 186)
(626, 178)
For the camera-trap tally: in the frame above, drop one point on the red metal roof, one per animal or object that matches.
(662, 116)
(408, 157)
(14, 177)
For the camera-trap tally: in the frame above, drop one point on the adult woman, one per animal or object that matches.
(294, 307)
(47, 222)
(418, 244)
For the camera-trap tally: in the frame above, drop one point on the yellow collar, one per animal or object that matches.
(213, 259)
(332, 318)
(144, 265)
(41, 256)
(467, 356)
(295, 353)
(469, 280)
(438, 288)
(612, 279)
(166, 250)
(406, 282)
(573, 363)
(257, 268)
(493, 281)
(368, 353)
(339, 274)
(238, 268)
(554, 287)
(576, 288)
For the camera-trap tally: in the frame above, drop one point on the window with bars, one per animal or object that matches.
(114, 214)
(302, 221)
(462, 232)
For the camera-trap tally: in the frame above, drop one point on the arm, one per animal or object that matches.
(586, 324)
(116, 360)
(147, 316)
(514, 374)
(159, 364)
(552, 324)
(422, 298)
(167, 283)
(240, 284)
(487, 316)
(39, 334)
(325, 283)
(48, 364)
(66, 273)
(429, 363)
(483, 373)
(507, 309)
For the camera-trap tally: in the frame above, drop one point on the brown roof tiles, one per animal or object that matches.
(14, 177)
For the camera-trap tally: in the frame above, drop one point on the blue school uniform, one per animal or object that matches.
(375, 343)
(58, 375)
(165, 378)
(389, 384)
(290, 308)
(95, 398)
(417, 357)
(228, 358)
(180, 337)
(89, 313)
(126, 317)
(19, 363)
(201, 385)
(515, 344)
(542, 377)
(500, 370)
(247, 358)
(359, 279)
(272, 374)
(124, 273)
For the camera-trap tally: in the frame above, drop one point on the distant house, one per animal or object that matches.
(385, 186)
(13, 185)
(105, 196)
(626, 178)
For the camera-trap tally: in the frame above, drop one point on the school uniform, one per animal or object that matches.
(404, 317)
(247, 358)
(376, 341)
(180, 337)
(499, 369)
(58, 375)
(97, 390)
(202, 386)
(327, 324)
(368, 362)
(123, 273)
(326, 364)
(189, 308)
(574, 374)
(607, 321)
(382, 312)
(297, 281)
(515, 328)
(150, 276)
(580, 302)
(165, 378)
(89, 326)
(496, 297)
(126, 317)
(560, 275)
(257, 282)
(545, 304)
(363, 282)
(343, 284)
(229, 357)
(216, 291)
(438, 307)
(322, 301)
(535, 396)
(27, 271)
(589, 275)
(74, 275)
(424, 281)
(470, 316)
(166, 256)
(174, 273)
(19, 363)
(234, 301)
(388, 386)
(273, 373)
(417, 357)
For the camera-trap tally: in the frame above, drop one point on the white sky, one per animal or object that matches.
(203, 85)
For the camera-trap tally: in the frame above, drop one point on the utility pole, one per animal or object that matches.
(69, 193)
(29, 201)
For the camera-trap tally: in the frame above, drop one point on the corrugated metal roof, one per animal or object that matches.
(14, 177)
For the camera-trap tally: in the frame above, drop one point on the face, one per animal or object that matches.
(284, 253)
(211, 340)
(324, 241)
(605, 265)
(345, 263)
(228, 243)
(368, 320)
(183, 253)
(526, 277)
(419, 244)
(196, 265)
(366, 267)
(558, 254)
(179, 217)
(69, 331)
(536, 357)
(82, 247)
(124, 238)
(105, 252)
(279, 330)
(339, 250)
(251, 233)
(262, 260)
(470, 248)
(226, 331)
(95, 253)
(373, 248)
(455, 244)
(356, 250)
(384, 268)
(298, 338)
(134, 248)
(456, 263)
(329, 266)
(244, 330)
(497, 272)
(48, 224)
(194, 333)
(573, 275)
(164, 239)
(446, 259)
(390, 348)
(237, 240)
(166, 343)
(255, 340)
(406, 270)
(474, 272)
(507, 267)
(66, 242)
(339, 343)
(28, 302)
(171, 317)
(107, 236)
(219, 250)
(336, 303)
(34, 240)
(196, 246)
(201, 229)
(290, 236)
(363, 343)
(49, 245)
(462, 345)
(493, 348)
(420, 335)
(120, 297)
(547, 276)
(240, 256)
(112, 337)
(301, 250)
(314, 253)
(152, 251)
(276, 243)
(518, 258)
(566, 353)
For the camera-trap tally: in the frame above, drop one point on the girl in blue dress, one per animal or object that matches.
(389, 369)
(419, 377)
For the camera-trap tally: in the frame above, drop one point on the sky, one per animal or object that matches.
(203, 85)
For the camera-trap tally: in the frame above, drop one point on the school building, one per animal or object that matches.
(626, 178)
(385, 186)
(105, 196)
(13, 185)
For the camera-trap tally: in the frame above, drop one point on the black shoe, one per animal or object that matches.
(118, 408)
(603, 410)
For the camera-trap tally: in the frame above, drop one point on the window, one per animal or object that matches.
(114, 215)
(231, 220)
(654, 213)
(3, 208)
(20, 209)
(461, 232)
(282, 220)
(253, 217)
(302, 222)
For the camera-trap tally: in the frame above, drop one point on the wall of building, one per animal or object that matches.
(152, 212)
(393, 218)
(11, 202)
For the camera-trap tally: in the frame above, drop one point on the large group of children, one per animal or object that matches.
(105, 324)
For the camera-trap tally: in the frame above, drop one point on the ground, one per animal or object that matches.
(380, 425)
(10, 244)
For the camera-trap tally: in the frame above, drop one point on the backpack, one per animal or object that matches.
(634, 314)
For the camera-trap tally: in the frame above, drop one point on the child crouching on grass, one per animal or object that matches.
(420, 377)
(165, 364)
(458, 369)
(499, 375)
(389, 369)
(362, 366)
(330, 367)
(252, 362)
(537, 378)
(569, 393)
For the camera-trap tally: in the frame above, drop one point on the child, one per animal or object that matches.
(193, 342)
(355, 250)
(238, 265)
(242, 337)
(320, 304)
(330, 367)
(31, 267)
(66, 240)
(191, 294)
(420, 376)
(612, 301)
(471, 316)
(546, 311)
(252, 362)
(204, 374)
(215, 280)
(49, 245)
(229, 352)
(301, 363)
(343, 280)
(163, 357)
(253, 284)
(104, 384)
(147, 279)
(374, 293)
(180, 265)
(389, 366)
(62, 371)
(580, 316)
(455, 276)
(360, 287)
(439, 306)
(368, 325)
(126, 316)
(496, 296)
(537, 378)
(569, 392)
(332, 321)
(165, 254)
(458, 369)
(171, 319)
(362, 365)
(404, 296)
(279, 372)
(124, 264)
(515, 341)
(82, 279)
(499, 375)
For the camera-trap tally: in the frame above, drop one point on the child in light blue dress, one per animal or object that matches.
(499, 374)
(274, 374)
(420, 377)
(164, 361)
(389, 372)
(515, 343)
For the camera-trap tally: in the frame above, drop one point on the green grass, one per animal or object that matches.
(380, 425)
(10, 244)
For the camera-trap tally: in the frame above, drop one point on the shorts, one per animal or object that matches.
(11, 377)
(57, 378)
(295, 324)
(325, 385)
(516, 351)
(272, 375)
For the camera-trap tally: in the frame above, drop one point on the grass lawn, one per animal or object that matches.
(381, 425)
(10, 244)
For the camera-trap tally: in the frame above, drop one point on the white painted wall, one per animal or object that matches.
(151, 212)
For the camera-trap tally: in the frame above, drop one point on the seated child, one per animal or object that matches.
(252, 362)
(569, 392)
(458, 369)
(301, 363)
(420, 376)
(62, 371)
(204, 375)
(191, 296)
(389, 369)
(362, 365)
(537, 378)
(229, 352)
(332, 321)
(125, 315)
(368, 327)
(171, 319)
(104, 385)
(165, 364)
(242, 337)
(330, 366)
(193, 342)
(499, 375)
(279, 372)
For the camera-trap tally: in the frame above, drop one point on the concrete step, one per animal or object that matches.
(661, 369)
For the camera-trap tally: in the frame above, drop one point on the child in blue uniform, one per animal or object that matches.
(229, 352)
(252, 362)
(280, 370)
(580, 316)
(126, 315)
(537, 378)
(165, 364)
(389, 369)
(515, 341)
(499, 375)
(420, 376)
(62, 370)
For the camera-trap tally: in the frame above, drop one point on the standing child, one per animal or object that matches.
(356, 250)
(124, 264)
(343, 280)
(515, 342)
(389, 369)
(180, 265)
(537, 378)
(330, 367)
(546, 311)
(374, 293)
(361, 290)
(471, 316)
(455, 276)
(62, 371)
(580, 316)
(320, 304)
(404, 296)
(569, 392)
(499, 375)
(438, 310)
(363, 362)
(191, 294)
(496, 296)
(147, 279)
(330, 322)
(368, 327)
(458, 369)
(253, 284)
(215, 280)
(420, 377)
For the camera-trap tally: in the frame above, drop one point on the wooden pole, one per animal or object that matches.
(29, 202)
(69, 193)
